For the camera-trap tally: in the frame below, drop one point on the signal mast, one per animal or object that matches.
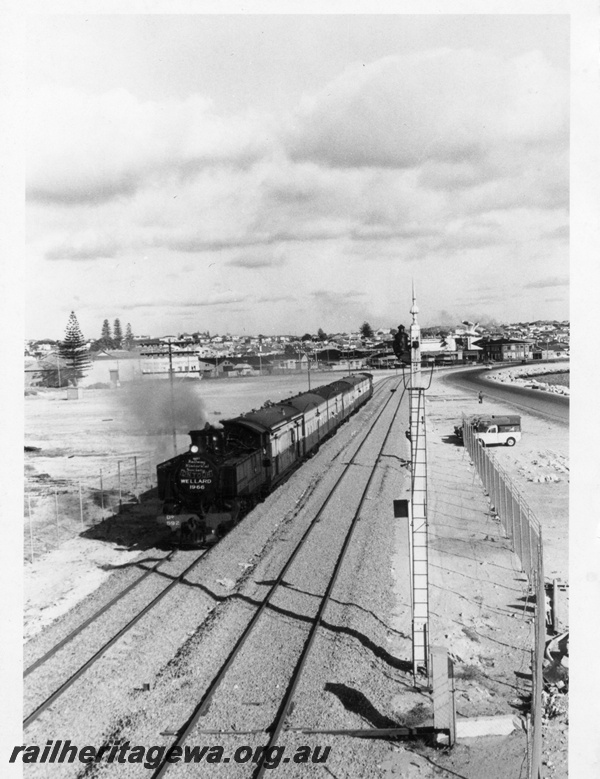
(418, 501)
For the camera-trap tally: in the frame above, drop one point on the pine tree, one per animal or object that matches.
(106, 337)
(366, 330)
(321, 334)
(117, 334)
(74, 350)
(128, 342)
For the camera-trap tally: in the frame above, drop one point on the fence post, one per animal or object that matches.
(30, 527)
(509, 534)
(81, 507)
(101, 492)
(504, 516)
(119, 478)
(531, 568)
(519, 549)
(135, 469)
(57, 523)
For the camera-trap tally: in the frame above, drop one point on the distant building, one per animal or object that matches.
(550, 350)
(158, 360)
(505, 349)
(113, 368)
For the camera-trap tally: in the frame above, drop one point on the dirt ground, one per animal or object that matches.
(92, 462)
(539, 468)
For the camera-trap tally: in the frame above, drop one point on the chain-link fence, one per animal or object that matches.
(58, 509)
(525, 534)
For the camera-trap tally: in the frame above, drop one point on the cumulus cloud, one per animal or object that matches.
(92, 148)
(446, 105)
(390, 151)
(406, 164)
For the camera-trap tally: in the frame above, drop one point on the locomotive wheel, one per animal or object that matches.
(193, 532)
(224, 527)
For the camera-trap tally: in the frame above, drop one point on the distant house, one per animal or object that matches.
(550, 350)
(382, 361)
(113, 368)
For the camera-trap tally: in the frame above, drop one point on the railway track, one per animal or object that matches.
(287, 700)
(138, 613)
(68, 682)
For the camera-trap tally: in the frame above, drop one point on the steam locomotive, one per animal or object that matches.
(228, 469)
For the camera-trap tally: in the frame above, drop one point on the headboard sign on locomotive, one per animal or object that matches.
(207, 490)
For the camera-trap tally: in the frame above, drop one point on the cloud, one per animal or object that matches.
(445, 105)
(86, 149)
(211, 299)
(553, 281)
(273, 299)
(256, 261)
(452, 165)
(387, 154)
(79, 249)
(558, 233)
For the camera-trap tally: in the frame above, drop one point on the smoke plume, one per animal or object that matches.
(156, 409)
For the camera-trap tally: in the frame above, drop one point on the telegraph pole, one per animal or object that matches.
(172, 397)
(418, 503)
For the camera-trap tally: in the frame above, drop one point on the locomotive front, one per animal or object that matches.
(189, 487)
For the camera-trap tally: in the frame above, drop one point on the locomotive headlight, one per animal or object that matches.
(194, 449)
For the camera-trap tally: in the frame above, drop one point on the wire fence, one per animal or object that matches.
(57, 510)
(525, 534)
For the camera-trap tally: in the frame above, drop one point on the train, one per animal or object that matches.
(229, 469)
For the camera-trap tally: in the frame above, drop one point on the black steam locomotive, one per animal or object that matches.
(227, 470)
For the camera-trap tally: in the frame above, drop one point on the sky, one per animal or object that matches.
(284, 173)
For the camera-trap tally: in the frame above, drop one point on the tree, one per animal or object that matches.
(306, 337)
(128, 341)
(321, 334)
(106, 340)
(366, 330)
(117, 334)
(74, 350)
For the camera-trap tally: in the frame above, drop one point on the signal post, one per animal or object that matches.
(418, 491)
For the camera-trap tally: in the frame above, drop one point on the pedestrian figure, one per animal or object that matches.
(481, 397)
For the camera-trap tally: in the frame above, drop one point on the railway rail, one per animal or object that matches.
(178, 578)
(286, 704)
(108, 644)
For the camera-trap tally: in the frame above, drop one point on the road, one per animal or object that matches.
(543, 404)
